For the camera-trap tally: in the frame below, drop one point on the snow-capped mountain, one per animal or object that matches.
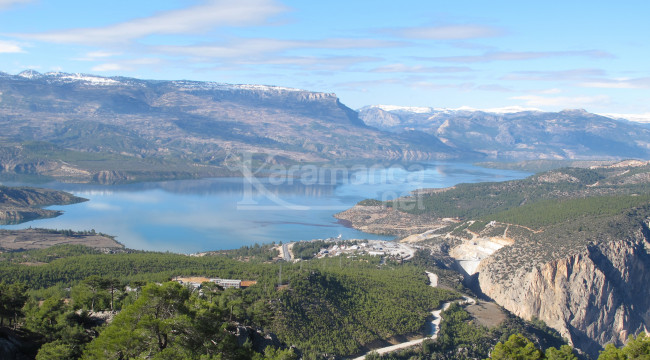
(518, 133)
(433, 110)
(185, 85)
(199, 122)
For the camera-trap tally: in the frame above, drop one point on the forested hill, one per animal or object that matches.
(327, 306)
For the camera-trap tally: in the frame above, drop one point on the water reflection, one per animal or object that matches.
(208, 214)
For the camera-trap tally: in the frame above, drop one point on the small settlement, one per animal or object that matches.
(196, 281)
(369, 247)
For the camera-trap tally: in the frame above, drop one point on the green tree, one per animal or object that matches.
(60, 326)
(637, 348)
(210, 289)
(47, 318)
(611, 352)
(273, 353)
(91, 294)
(113, 285)
(516, 348)
(157, 320)
(564, 353)
(12, 300)
(55, 350)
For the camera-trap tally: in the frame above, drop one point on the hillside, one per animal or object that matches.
(23, 203)
(519, 134)
(365, 301)
(95, 128)
(569, 246)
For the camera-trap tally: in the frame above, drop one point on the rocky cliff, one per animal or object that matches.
(569, 246)
(595, 294)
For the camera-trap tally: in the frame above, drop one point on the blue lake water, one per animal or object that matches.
(190, 216)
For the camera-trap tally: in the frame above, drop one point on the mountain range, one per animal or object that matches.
(107, 129)
(146, 122)
(519, 134)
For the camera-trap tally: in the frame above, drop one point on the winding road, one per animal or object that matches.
(435, 323)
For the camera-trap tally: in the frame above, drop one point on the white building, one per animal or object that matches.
(227, 283)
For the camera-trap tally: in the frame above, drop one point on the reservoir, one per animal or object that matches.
(278, 204)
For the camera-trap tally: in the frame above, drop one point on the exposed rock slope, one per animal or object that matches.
(569, 246)
(594, 294)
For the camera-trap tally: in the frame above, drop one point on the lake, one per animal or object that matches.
(278, 204)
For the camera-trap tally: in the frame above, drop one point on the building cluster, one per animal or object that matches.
(196, 281)
(370, 247)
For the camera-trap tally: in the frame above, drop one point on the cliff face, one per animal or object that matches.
(598, 295)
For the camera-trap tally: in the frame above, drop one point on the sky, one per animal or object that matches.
(549, 55)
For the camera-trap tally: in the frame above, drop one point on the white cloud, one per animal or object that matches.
(316, 63)
(343, 43)
(101, 54)
(550, 91)
(238, 49)
(109, 67)
(638, 83)
(558, 75)
(196, 19)
(643, 118)
(98, 55)
(521, 55)
(562, 101)
(8, 3)
(493, 88)
(247, 48)
(10, 47)
(609, 85)
(450, 32)
(125, 65)
(401, 68)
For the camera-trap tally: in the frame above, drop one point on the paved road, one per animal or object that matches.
(285, 252)
(435, 323)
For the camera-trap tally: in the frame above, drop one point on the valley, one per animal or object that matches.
(559, 257)
(340, 180)
(545, 233)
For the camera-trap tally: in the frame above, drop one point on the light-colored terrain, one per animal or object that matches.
(379, 219)
(29, 239)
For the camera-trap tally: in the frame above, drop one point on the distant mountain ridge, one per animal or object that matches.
(106, 129)
(184, 122)
(517, 133)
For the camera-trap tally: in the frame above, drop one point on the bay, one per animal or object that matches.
(279, 204)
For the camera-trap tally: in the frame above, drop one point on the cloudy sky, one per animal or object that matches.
(549, 55)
